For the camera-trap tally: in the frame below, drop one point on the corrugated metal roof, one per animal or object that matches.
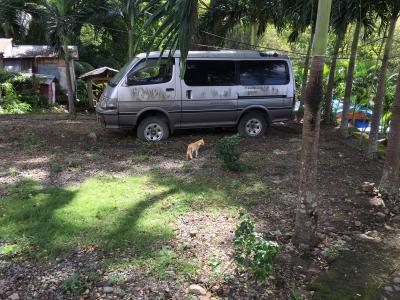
(29, 51)
(98, 72)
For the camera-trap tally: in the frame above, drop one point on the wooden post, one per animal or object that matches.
(90, 92)
(1, 60)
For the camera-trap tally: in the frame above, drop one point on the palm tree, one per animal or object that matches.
(349, 80)
(306, 214)
(298, 16)
(343, 14)
(63, 19)
(393, 7)
(12, 19)
(364, 12)
(129, 11)
(390, 176)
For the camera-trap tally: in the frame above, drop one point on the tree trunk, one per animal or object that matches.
(300, 112)
(70, 89)
(306, 214)
(130, 42)
(253, 33)
(380, 93)
(329, 90)
(344, 124)
(195, 25)
(390, 175)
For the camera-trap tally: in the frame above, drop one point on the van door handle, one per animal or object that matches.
(169, 89)
(189, 94)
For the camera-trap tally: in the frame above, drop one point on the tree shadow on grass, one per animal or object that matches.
(27, 217)
(50, 221)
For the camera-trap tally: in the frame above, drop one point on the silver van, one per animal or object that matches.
(249, 90)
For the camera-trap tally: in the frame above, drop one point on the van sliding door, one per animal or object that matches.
(209, 96)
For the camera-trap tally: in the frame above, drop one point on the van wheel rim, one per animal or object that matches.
(253, 127)
(153, 132)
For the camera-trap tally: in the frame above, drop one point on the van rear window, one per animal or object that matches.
(256, 72)
(210, 73)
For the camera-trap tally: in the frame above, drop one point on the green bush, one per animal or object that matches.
(19, 93)
(227, 153)
(74, 284)
(252, 252)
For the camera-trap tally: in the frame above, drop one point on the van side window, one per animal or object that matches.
(150, 71)
(256, 72)
(210, 73)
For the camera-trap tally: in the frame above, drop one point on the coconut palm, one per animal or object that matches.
(306, 213)
(390, 176)
(63, 19)
(12, 19)
(128, 11)
(390, 11)
(365, 17)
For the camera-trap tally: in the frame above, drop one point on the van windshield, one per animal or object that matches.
(117, 78)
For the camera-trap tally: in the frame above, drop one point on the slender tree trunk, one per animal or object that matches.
(344, 124)
(130, 42)
(390, 175)
(380, 93)
(329, 90)
(306, 214)
(195, 25)
(253, 33)
(300, 112)
(70, 89)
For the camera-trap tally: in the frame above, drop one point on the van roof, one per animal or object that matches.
(219, 54)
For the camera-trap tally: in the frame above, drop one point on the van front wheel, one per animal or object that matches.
(153, 129)
(252, 125)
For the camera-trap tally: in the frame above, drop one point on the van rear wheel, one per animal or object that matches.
(153, 129)
(252, 125)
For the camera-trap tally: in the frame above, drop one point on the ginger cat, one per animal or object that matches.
(194, 148)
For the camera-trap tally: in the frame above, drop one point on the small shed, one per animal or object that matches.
(103, 74)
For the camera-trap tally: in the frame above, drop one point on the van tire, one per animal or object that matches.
(252, 125)
(153, 129)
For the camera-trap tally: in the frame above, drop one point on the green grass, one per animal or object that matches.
(108, 213)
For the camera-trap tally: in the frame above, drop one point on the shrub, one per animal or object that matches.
(227, 153)
(74, 284)
(252, 252)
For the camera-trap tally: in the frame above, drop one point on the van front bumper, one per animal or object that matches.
(108, 118)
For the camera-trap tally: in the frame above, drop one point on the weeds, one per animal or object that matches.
(252, 252)
(227, 153)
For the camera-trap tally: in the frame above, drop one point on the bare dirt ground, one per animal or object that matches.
(348, 217)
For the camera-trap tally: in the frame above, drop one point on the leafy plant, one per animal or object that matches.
(74, 284)
(116, 279)
(252, 252)
(227, 153)
(296, 296)
(13, 171)
(56, 168)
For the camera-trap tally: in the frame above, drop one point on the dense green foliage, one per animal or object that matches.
(18, 93)
(227, 154)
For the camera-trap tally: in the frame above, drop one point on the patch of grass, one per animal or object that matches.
(55, 168)
(75, 163)
(13, 172)
(9, 250)
(141, 157)
(111, 213)
(162, 264)
(116, 279)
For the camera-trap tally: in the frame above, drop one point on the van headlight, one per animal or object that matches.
(108, 103)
